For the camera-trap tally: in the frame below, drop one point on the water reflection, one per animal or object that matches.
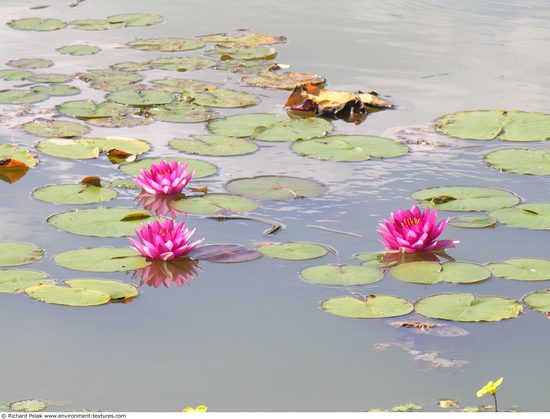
(12, 170)
(160, 204)
(181, 272)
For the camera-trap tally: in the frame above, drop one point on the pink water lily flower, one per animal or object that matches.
(164, 178)
(166, 240)
(411, 231)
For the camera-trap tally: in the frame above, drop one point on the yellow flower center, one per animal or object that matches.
(409, 222)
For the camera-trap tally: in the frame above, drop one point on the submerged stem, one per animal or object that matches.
(495, 397)
(275, 226)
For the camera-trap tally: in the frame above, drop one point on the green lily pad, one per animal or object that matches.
(293, 251)
(293, 130)
(101, 259)
(201, 168)
(30, 63)
(78, 194)
(54, 128)
(244, 67)
(434, 273)
(409, 407)
(245, 125)
(15, 75)
(136, 19)
(214, 145)
(51, 78)
(36, 24)
(110, 80)
(181, 63)
(539, 301)
(473, 222)
(487, 125)
(129, 145)
(246, 40)
(184, 86)
(374, 260)
(252, 53)
(21, 154)
(349, 148)
(131, 66)
(181, 112)
(214, 204)
(122, 121)
(19, 96)
(78, 50)
(347, 275)
(520, 161)
(284, 81)
(30, 405)
(278, 188)
(53, 294)
(466, 198)
(166, 44)
(87, 109)
(56, 90)
(15, 281)
(531, 216)
(146, 97)
(117, 290)
(96, 25)
(225, 98)
(124, 183)
(522, 269)
(90, 148)
(371, 307)
(17, 253)
(468, 308)
(99, 222)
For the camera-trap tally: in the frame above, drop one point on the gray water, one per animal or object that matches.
(251, 336)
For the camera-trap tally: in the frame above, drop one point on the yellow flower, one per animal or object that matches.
(199, 409)
(490, 387)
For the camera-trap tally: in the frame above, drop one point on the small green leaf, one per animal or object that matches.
(53, 294)
(214, 145)
(371, 307)
(522, 269)
(116, 290)
(101, 259)
(214, 204)
(539, 301)
(54, 128)
(466, 198)
(15, 281)
(166, 44)
(433, 272)
(78, 194)
(36, 24)
(293, 251)
(530, 216)
(78, 50)
(17, 253)
(278, 188)
(346, 275)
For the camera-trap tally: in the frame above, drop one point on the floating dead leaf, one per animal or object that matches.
(415, 325)
(201, 189)
(136, 216)
(351, 107)
(11, 170)
(91, 180)
(118, 156)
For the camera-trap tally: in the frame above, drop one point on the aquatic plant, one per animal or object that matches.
(411, 231)
(491, 388)
(164, 178)
(165, 240)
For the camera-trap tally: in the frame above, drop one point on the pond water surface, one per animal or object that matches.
(251, 336)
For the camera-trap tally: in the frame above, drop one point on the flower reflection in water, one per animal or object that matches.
(178, 272)
(160, 204)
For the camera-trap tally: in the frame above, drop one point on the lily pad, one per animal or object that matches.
(15, 75)
(117, 290)
(225, 253)
(90, 148)
(53, 294)
(15, 281)
(56, 90)
(293, 251)
(101, 259)
(246, 40)
(293, 130)
(110, 80)
(78, 50)
(539, 301)
(466, 198)
(434, 273)
(131, 66)
(531, 216)
(181, 64)
(184, 86)
(374, 260)
(214, 145)
(284, 81)
(36, 24)
(473, 221)
(17, 253)
(350, 148)
(20, 154)
(51, 78)
(487, 125)
(30, 63)
(245, 125)
(181, 112)
(520, 161)
(87, 109)
(54, 128)
(522, 269)
(20, 96)
(468, 308)
(214, 204)
(96, 25)
(245, 67)
(29, 405)
(136, 19)
(371, 307)
(278, 188)
(225, 98)
(99, 222)
(166, 44)
(78, 194)
(201, 168)
(252, 53)
(146, 97)
(347, 275)
(122, 121)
